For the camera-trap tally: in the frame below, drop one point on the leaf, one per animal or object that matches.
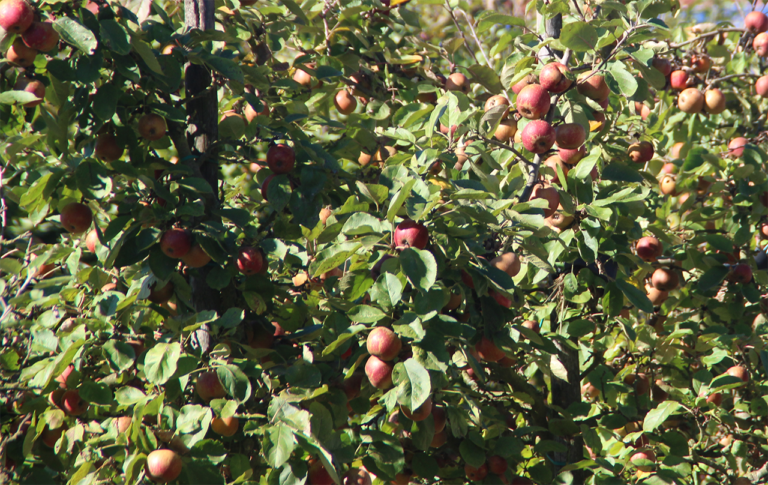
(578, 36)
(694, 159)
(282, 442)
(487, 77)
(93, 180)
(105, 101)
(635, 295)
(413, 383)
(420, 267)
(620, 172)
(231, 318)
(712, 278)
(226, 67)
(626, 80)
(661, 413)
(361, 223)
(95, 392)
(365, 314)
(160, 362)
(472, 454)
(17, 97)
(297, 11)
(73, 33)
(146, 54)
(487, 19)
(120, 355)
(115, 37)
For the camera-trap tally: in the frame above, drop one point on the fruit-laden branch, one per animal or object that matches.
(714, 33)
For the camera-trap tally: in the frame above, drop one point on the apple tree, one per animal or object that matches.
(381, 241)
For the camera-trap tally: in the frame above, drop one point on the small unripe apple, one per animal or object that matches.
(553, 78)
(550, 194)
(19, 54)
(690, 101)
(345, 102)
(641, 152)
(760, 44)
(379, 372)
(208, 386)
(152, 127)
(506, 130)
(488, 351)
(457, 82)
(643, 455)
(664, 279)
(163, 466)
(736, 146)
(593, 86)
(538, 136)
(572, 156)
(570, 135)
(508, 262)
(761, 86)
(76, 217)
(411, 234)
(420, 414)
(16, 16)
(662, 65)
(176, 242)
(756, 22)
(497, 100)
(533, 102)
(649, 248)
(41, 36)
(668, 185)
(281, 158)
(225, 426)
(250, 260)
(383, 343)
(107, 148)
(679, 80)
(714, 101)
(741, 273)
(476, 474)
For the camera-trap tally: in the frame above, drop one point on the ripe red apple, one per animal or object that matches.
(72, 404)
(550, 194)
(738, 371)
(760, 44)
(756, 22)
(16, 16)
(714, 101)
(649, 248)
(508, 262)
(345, 102)
(532, 326)
(208, 386)
(571, 156)
(497, 465)
(176, 242)
(553, 78)
(736, 146)
(152, 126)
(379, 372)
(163, 466)
(533, 102)
(107, 148)
(529, 79)
(281, 158)
(643, 110)
(33, 86)
(554, 162)
(123, 423)
(318, 475)
(690, 101)
(662, 65)
(761, 86)
(741, 273)
(679, 80)
(91, 240)
(476, 474)
(51, 436)
(411, 234)
(488, 351)
(590, 390)
(304, 78)
(643, 455)
(593, 86)
(715, 398)
(41, 36)
(538, 136)
(225, 426)
(701, 63)
(500, 299)
(383, 343)
(196, 257)
(664, 279)
(249, 260)
(421, 413)
(62, 378)
(251, 114)
(19, 54)
(457, 82)
(76, 217)
(570, 135)
(640, 152)
(639, 382)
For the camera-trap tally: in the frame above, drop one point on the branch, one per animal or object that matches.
(474, 36)
(714, 33)
(729, 76)
(506, 147)
(461, 32)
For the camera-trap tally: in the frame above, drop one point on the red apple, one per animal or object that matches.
(761, 86)
(411, 234)
(570, 135)
(31, 86)
(281, 159)
(51, 436)
(488, 351)
(421, 413)
(196, 257)
(383, 343)
(593, 86)
(76, 217)
(756, 22)
(41, 36)
(571, 156)
(152, 126)
(649, 248)
(736, 146)
(379, 372)
(176, 242)
(550, 194)
(741, 273)
(91, 240)
(107, 148)
(664, 279)
(72, 404)
(508, 262)
(640, 152)
(643, 455)
(225, 426)
(160, 295)
(533, 102)
(690, 101)
(163, 466)
(476, 474)
(318, 475)
(679, 80)
(738, 371)
(208, 386)
(62, 378)
(497, 465)
(662, 65)
(538, 136)
(16, 16)
(457, 82)
(529, 79)
(553, 78)
(19, 54)
(715, 398)
(439, 417)
(760, 44)
(250, 260)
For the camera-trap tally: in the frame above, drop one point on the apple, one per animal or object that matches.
(590, 390)
(548, 193)
(678, 150)
(19, 54)
(476, 474)
(714, 101)
(107, 149)
(303, 78)
(379, 372)
(497, 100)
(383, 343)
(760, 44)
(593, 86)
(41, 36)
(643, 455)
(251, 114)
(225, 426)
(701, 63)
(538, 136)
(655, 295)
(570, 135)
(345, 102)
(208, 386)
(533, 102)
(742, 481)
(457, 82)
(761, 86)
(487, 350)
(152, 127)
(529, 79)
(497, 464)
(571, 156)
(281, 158)
(690, 101)
(91, 240)
(649, 248)
(679, 80)
(422, 413)
(668, 185)
(318, 475)
(160, 295)
(163, 466)
(736, 146)
(51, 436)
(741, 273)
(662, 65)
(250, 260)
(532, 326)
(438, 439)
(62, 378)
(72, 404)
(505, 131)
(553, 162)
(553, 78)
(643, 110)
(411, 234)
(715, 398)
(122, 424)
(76, 217)
(176, 242)
(559, 221)
(196, 257)
(31, 86)
(641, 152)
(738, 371)
(16, 16)
(358, 476)
(756, 22)
(500, 299)
(639, 382)
(439, 418)
(664, 279)
(508, 262)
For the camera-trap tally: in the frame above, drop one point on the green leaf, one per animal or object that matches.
(365, 314)
(126, 396)
(282, 442)
(487, 77)
(95, 392)
(160, 362)
(694, 159)
(17, 97)
(635, 295)
(115, 37)
(361, 223)
(231, 318)
(487, 19)
(420, 267)
(226, 67)
(297, 11)
(472, 454)
(73, 33)
(93, 180)
(579, 36)
(120, 355)
(413, 383)
(235, 382)
(712, 278)
(105, 101)
(626, 80)
(658, 415)
(146, 54)
(620, 172)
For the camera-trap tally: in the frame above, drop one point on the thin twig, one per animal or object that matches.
(477, 40)
(461, 32)
(714, 33)
(730, 76)
(505, 147)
